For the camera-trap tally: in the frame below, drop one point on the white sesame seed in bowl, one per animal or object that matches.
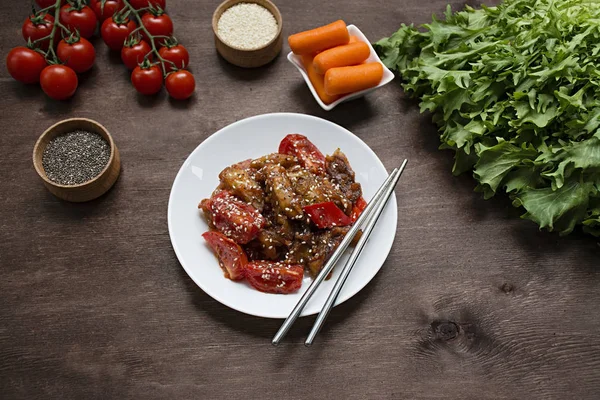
(247, 26)
(248, 32)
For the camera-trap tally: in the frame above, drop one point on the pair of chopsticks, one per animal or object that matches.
(369, 219)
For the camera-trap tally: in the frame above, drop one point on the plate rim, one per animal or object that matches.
(392, 203)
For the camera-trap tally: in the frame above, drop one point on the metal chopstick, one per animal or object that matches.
(285, 327)
(353, 258)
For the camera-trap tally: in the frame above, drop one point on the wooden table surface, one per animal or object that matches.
(472, 303)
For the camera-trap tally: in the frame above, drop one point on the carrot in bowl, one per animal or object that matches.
(343, 80)
(319, 39)
(307, 60)
(341, 56)
(356, 39)
(318, 81)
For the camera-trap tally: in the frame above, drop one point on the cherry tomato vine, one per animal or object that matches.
(150, 38)
(154, 36)
(57, 47)
(50, 55)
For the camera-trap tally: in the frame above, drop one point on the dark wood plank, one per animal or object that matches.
(472, 303)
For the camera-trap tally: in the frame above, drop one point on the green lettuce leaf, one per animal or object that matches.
(495, 162)
(515, 92)
(559, 209)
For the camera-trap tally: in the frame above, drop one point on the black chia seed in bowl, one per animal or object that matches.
(75, 157)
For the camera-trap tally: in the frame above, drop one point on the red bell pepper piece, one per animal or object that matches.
(327, 215)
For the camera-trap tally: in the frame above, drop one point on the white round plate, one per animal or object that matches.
(250, 138)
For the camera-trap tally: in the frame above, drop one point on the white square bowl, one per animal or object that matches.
(388, 75)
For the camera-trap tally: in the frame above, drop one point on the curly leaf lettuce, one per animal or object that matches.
(515, 92)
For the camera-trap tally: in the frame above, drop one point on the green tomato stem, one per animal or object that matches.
(136, 30)
(45, 10)
(64, 28)
(53, 32)
(149, 36)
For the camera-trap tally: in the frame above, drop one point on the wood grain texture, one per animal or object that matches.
(473, 303)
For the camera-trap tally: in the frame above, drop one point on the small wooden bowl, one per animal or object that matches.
(88, 190)
(248, 58)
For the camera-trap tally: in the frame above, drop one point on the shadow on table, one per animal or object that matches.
(348, 115)
(266, 328)
(23, 92)
(542, 243)
(152, 100)
(245, 74)
(88, 77)
(65, 210)
(114, 58)
(184, 104)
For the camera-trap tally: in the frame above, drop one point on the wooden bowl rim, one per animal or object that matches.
(229, 3)
(37, 149)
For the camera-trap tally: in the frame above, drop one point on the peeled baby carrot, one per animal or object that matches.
(355, 39)
(307, 60)
(341, 56)
(344, 80)
(317, 80)
(319, 39)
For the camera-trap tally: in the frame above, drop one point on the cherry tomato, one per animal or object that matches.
(134, 54)
(274, 277)
(158, 25)
(84, 20)
(25, 65)
(309, 155)
(236, 219)
(114, 33)
(137, 4)
(47, 3)
(37, 27)
(80, 56)
(180, 84)
(147, 81)
(110, 7)
(231, 256)
(176, 54)
(58, 81)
